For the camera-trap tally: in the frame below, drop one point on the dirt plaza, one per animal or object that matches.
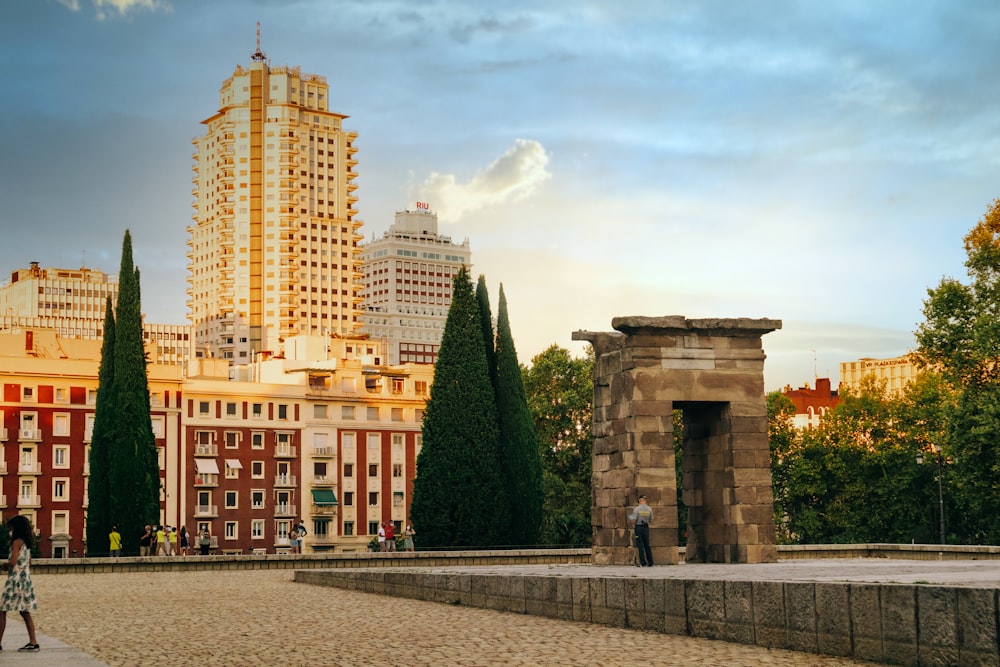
(263, 618)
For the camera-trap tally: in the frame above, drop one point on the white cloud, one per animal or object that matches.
(72, 5)
(122, 7)
(511, 177)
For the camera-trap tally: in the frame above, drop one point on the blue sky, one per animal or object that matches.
(817, 163)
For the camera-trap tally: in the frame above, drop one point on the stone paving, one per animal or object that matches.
(263, 618)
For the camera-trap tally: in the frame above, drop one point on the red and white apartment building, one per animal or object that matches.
(330, 442)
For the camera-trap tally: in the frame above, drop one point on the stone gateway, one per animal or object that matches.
(712, 370)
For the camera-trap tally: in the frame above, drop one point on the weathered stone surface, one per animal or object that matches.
(977, 629)
(938, 633)
(899, 624)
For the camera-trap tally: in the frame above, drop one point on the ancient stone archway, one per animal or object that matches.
(713, 371)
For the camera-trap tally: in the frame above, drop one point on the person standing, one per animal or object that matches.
(115, 542)
(172, 535)
(145, 540)
(293, 540)
(161, 541)
(205, 542)
(390, 536)
(381, 537)
(641, 515)
(408, 537)
(185, 542)
(19, 592)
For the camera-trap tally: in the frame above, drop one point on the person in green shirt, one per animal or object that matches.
(115, 539)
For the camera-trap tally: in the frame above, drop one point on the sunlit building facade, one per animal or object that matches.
(896, 373)
(273, 246)
(408, 276)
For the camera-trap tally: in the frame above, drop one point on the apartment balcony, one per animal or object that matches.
(206, 511)
(206, 479)
(285, 452)
(32, 468)
(285, 480)
(29, 434)
(88, 435)
(323, 510)
(285, 509)
(29, 501)
(206, 450)
(322, 480)
(323, 452)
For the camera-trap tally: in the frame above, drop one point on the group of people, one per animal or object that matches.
(387, 537)
(295, 536)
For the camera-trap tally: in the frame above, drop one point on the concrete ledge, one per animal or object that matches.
(903, 624)
(310, 561)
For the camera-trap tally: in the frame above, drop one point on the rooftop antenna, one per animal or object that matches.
(815, 371)
(258, 54)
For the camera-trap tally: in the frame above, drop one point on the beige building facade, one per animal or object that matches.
(896, 372)
(273, 244)
(408, 275)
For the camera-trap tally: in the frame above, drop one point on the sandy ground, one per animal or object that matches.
(263, 618)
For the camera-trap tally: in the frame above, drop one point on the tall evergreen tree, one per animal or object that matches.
(458, 494)
(134, 479)
(521, 455)
(486, 323)
(99, 519)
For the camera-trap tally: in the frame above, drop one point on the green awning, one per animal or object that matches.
(324, 497)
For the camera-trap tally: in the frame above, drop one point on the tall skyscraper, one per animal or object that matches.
(273, 245)
(408, 277)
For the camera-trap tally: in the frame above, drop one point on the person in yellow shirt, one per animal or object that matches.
(173, 542)
(115, 539)
(161, 541)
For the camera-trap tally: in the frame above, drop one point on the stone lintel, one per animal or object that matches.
(739, 326)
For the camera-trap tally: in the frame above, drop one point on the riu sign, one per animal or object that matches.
(423, 206)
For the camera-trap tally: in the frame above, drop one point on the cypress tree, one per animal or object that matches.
(134, 480)
(98, 502)
(459, 497)
(486, 323)
(521, 456)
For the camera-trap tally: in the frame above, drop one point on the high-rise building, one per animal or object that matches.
(273, 245)
(408, 276)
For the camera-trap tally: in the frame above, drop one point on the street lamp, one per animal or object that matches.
(920, 460)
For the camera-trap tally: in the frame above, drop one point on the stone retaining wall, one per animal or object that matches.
(890, 623)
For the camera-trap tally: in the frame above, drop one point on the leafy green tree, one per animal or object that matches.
(521, 456)
(960, 338)
(785, 443)
(459, 498)
(99, 519)
(559, 391)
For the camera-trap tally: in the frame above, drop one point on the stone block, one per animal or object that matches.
(739, 612)
(675, 607)
(706, 608)
(899, 624)
(516, 601)
(769, 614)
(581, 589)
(833, 619)
(635, 607)
(977, 630)
(800, 609)
(937, 638)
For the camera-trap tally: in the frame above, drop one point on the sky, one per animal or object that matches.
(816, 163)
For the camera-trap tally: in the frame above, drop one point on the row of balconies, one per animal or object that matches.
(23, 434)
(208, 479)
(280, 451)
(212, 511)
(22, 501)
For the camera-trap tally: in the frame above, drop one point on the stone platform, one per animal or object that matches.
(905, 612)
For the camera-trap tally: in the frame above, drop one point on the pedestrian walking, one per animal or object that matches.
(641, 515)
(408, 538)
(18, 592)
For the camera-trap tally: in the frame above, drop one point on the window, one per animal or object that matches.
(373, 470)
(156, 421)
(91, 396)
(62, 395)
(257, 499)
(256, 529)
(349, 528)
(319, 470)
(230, 409)
(257, 469)
(397, 414)
(397, 498)
(257, 440)
(282, 411)
(348, 499)
(60, 489)
(60, 456)
(60, 523)
(231, 532)
(349, 384)
(232, 439)
(321, 528)
(372, 414)
(203, 408)
(60, 424)
(257, 410)
(397, 469)
(231, 500)
(348, 470)
(28, 394)
(319, 411)
(347, 412)
(420, 386)
(372, 498)
(373, 527)
(233, 467)
(284, 439)
(396, 386)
